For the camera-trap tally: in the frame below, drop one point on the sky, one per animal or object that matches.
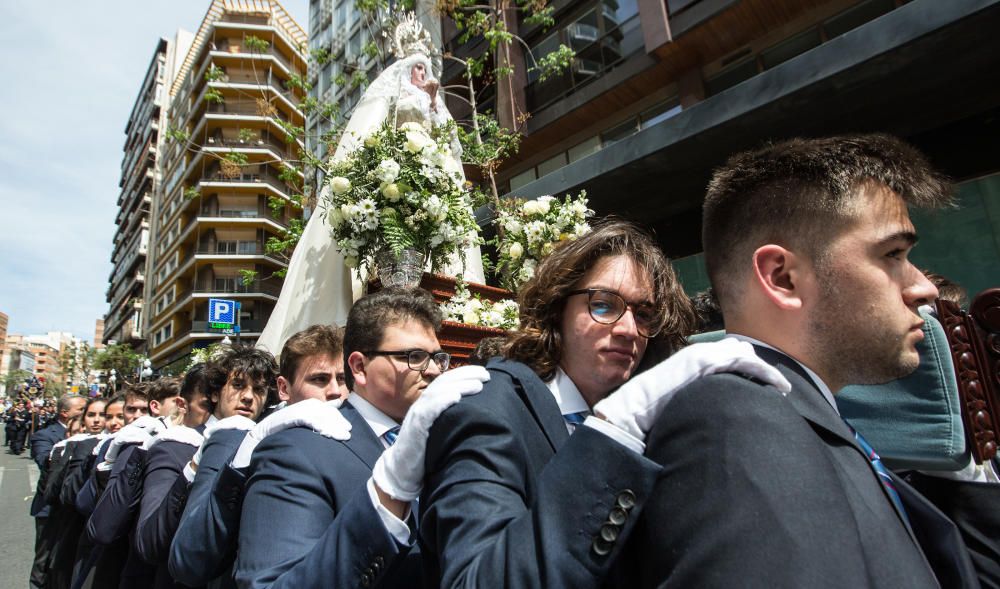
(71, 73)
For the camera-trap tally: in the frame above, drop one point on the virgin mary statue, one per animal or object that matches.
(319, 288)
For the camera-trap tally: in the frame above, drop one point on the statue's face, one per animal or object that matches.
(418, 74)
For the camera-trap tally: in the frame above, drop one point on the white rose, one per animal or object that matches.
(515, 251)
(371, 141)
(391, 192)
(339, 184)
(411, 126)
(416, 141)
(529, 207)
(543, 204)
(387, 170)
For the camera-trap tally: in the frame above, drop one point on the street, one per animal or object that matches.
(18, 475)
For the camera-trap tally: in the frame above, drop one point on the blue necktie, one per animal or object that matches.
(575, 419)
(391, 435)
(882, 471)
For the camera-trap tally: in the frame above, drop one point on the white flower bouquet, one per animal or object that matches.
(470, 309)
(532, 229)
(402, 189)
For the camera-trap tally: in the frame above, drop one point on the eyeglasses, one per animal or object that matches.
(607, 307)
(417, 360)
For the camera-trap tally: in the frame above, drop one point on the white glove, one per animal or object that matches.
(232, 422)
(105, 440)
(136, 432)
(635, 406)
(399, 472)
(323, 417)
(177, 433)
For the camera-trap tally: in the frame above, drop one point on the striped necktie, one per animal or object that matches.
(391, 435)
(575, 419)
(881, 471)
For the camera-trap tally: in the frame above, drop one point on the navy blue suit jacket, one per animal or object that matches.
(159, 515)
(512, 500)
(41, 445)
(118, 504)
(308, 521)
(205, 543)
(761, 489)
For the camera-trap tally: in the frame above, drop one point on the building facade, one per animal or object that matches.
(225, 187)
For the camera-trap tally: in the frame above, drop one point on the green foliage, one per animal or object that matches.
(277, 206)
(492, 144)
(214, 96)
(248, 276)
(175, 134)
(340, 80)
(214, 73)
(359, 79)
(121, 357)
(370, 49)
(297, 81)
(289, 174)
(247, 135)
(255, 43)
(236, 158)
(555, 62)
(321, 56)
(283, 245)
(191, 192)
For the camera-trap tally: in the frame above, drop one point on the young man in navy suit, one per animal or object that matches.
(311, 516)
(806, 244)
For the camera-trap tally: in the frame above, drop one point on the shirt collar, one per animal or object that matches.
(567, 396)
(211, 419)
(378, 421)
(823, 388)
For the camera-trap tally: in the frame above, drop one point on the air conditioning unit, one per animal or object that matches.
(583, 32)
(586, 67)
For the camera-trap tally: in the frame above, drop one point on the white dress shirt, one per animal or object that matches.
(570, 400)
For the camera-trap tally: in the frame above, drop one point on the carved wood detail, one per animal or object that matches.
(975, 373)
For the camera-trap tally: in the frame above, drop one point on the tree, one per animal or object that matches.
(121, 357)
(15, 379)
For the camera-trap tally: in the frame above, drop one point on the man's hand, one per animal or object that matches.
(136, 432)
(399, 472)
(177, 433)
(323, 417)
(635, 406)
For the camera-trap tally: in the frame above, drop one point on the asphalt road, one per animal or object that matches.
(18, 475)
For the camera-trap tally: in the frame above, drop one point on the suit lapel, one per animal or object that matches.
(537, 398)
(364, 443)
(814, 408)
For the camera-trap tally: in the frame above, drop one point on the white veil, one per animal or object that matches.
(319, 288)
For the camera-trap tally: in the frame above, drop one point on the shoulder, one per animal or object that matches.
(298, 447)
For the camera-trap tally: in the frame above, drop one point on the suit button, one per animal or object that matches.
(617, 516)
(601, 547)
(366, 580)
(379, 561)
(626, 499)
(609, 532)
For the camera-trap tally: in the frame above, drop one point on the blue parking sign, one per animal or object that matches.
(221, 311)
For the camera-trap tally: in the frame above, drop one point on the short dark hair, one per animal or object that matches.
(800, 193)
(137, 390)
(311, 341)
(119, 398)
(372, 313)
(706, 307)
(249, 362)
(538, 343)
(194, 382)
(487, 348)
(163, 388)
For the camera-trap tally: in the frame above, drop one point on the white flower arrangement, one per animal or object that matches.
(532, 229)
(397, 192)
(464, 307)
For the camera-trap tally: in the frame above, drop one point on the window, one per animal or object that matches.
(551, 165)
(619, 132)
(522, 179)
(658, 113)
(582, 150)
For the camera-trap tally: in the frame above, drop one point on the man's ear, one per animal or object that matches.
(356, 363)
(283, 386)
(778, 274)
(154, 408)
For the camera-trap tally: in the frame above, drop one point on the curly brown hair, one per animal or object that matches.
(538, 343)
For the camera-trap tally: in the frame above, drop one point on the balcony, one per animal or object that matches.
(271, 180)
(235, 286)
(248, 326)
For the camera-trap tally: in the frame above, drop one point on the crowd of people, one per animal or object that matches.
(591, 447)
(23, 417)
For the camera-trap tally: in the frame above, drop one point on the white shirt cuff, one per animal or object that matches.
(105, 466)
(189, 473)
(395, 526)
(616, 433)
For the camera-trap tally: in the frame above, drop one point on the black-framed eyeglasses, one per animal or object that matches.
(417, 359)
(607, 307)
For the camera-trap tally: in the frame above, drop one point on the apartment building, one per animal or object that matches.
(138, 182)
(226, 189)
